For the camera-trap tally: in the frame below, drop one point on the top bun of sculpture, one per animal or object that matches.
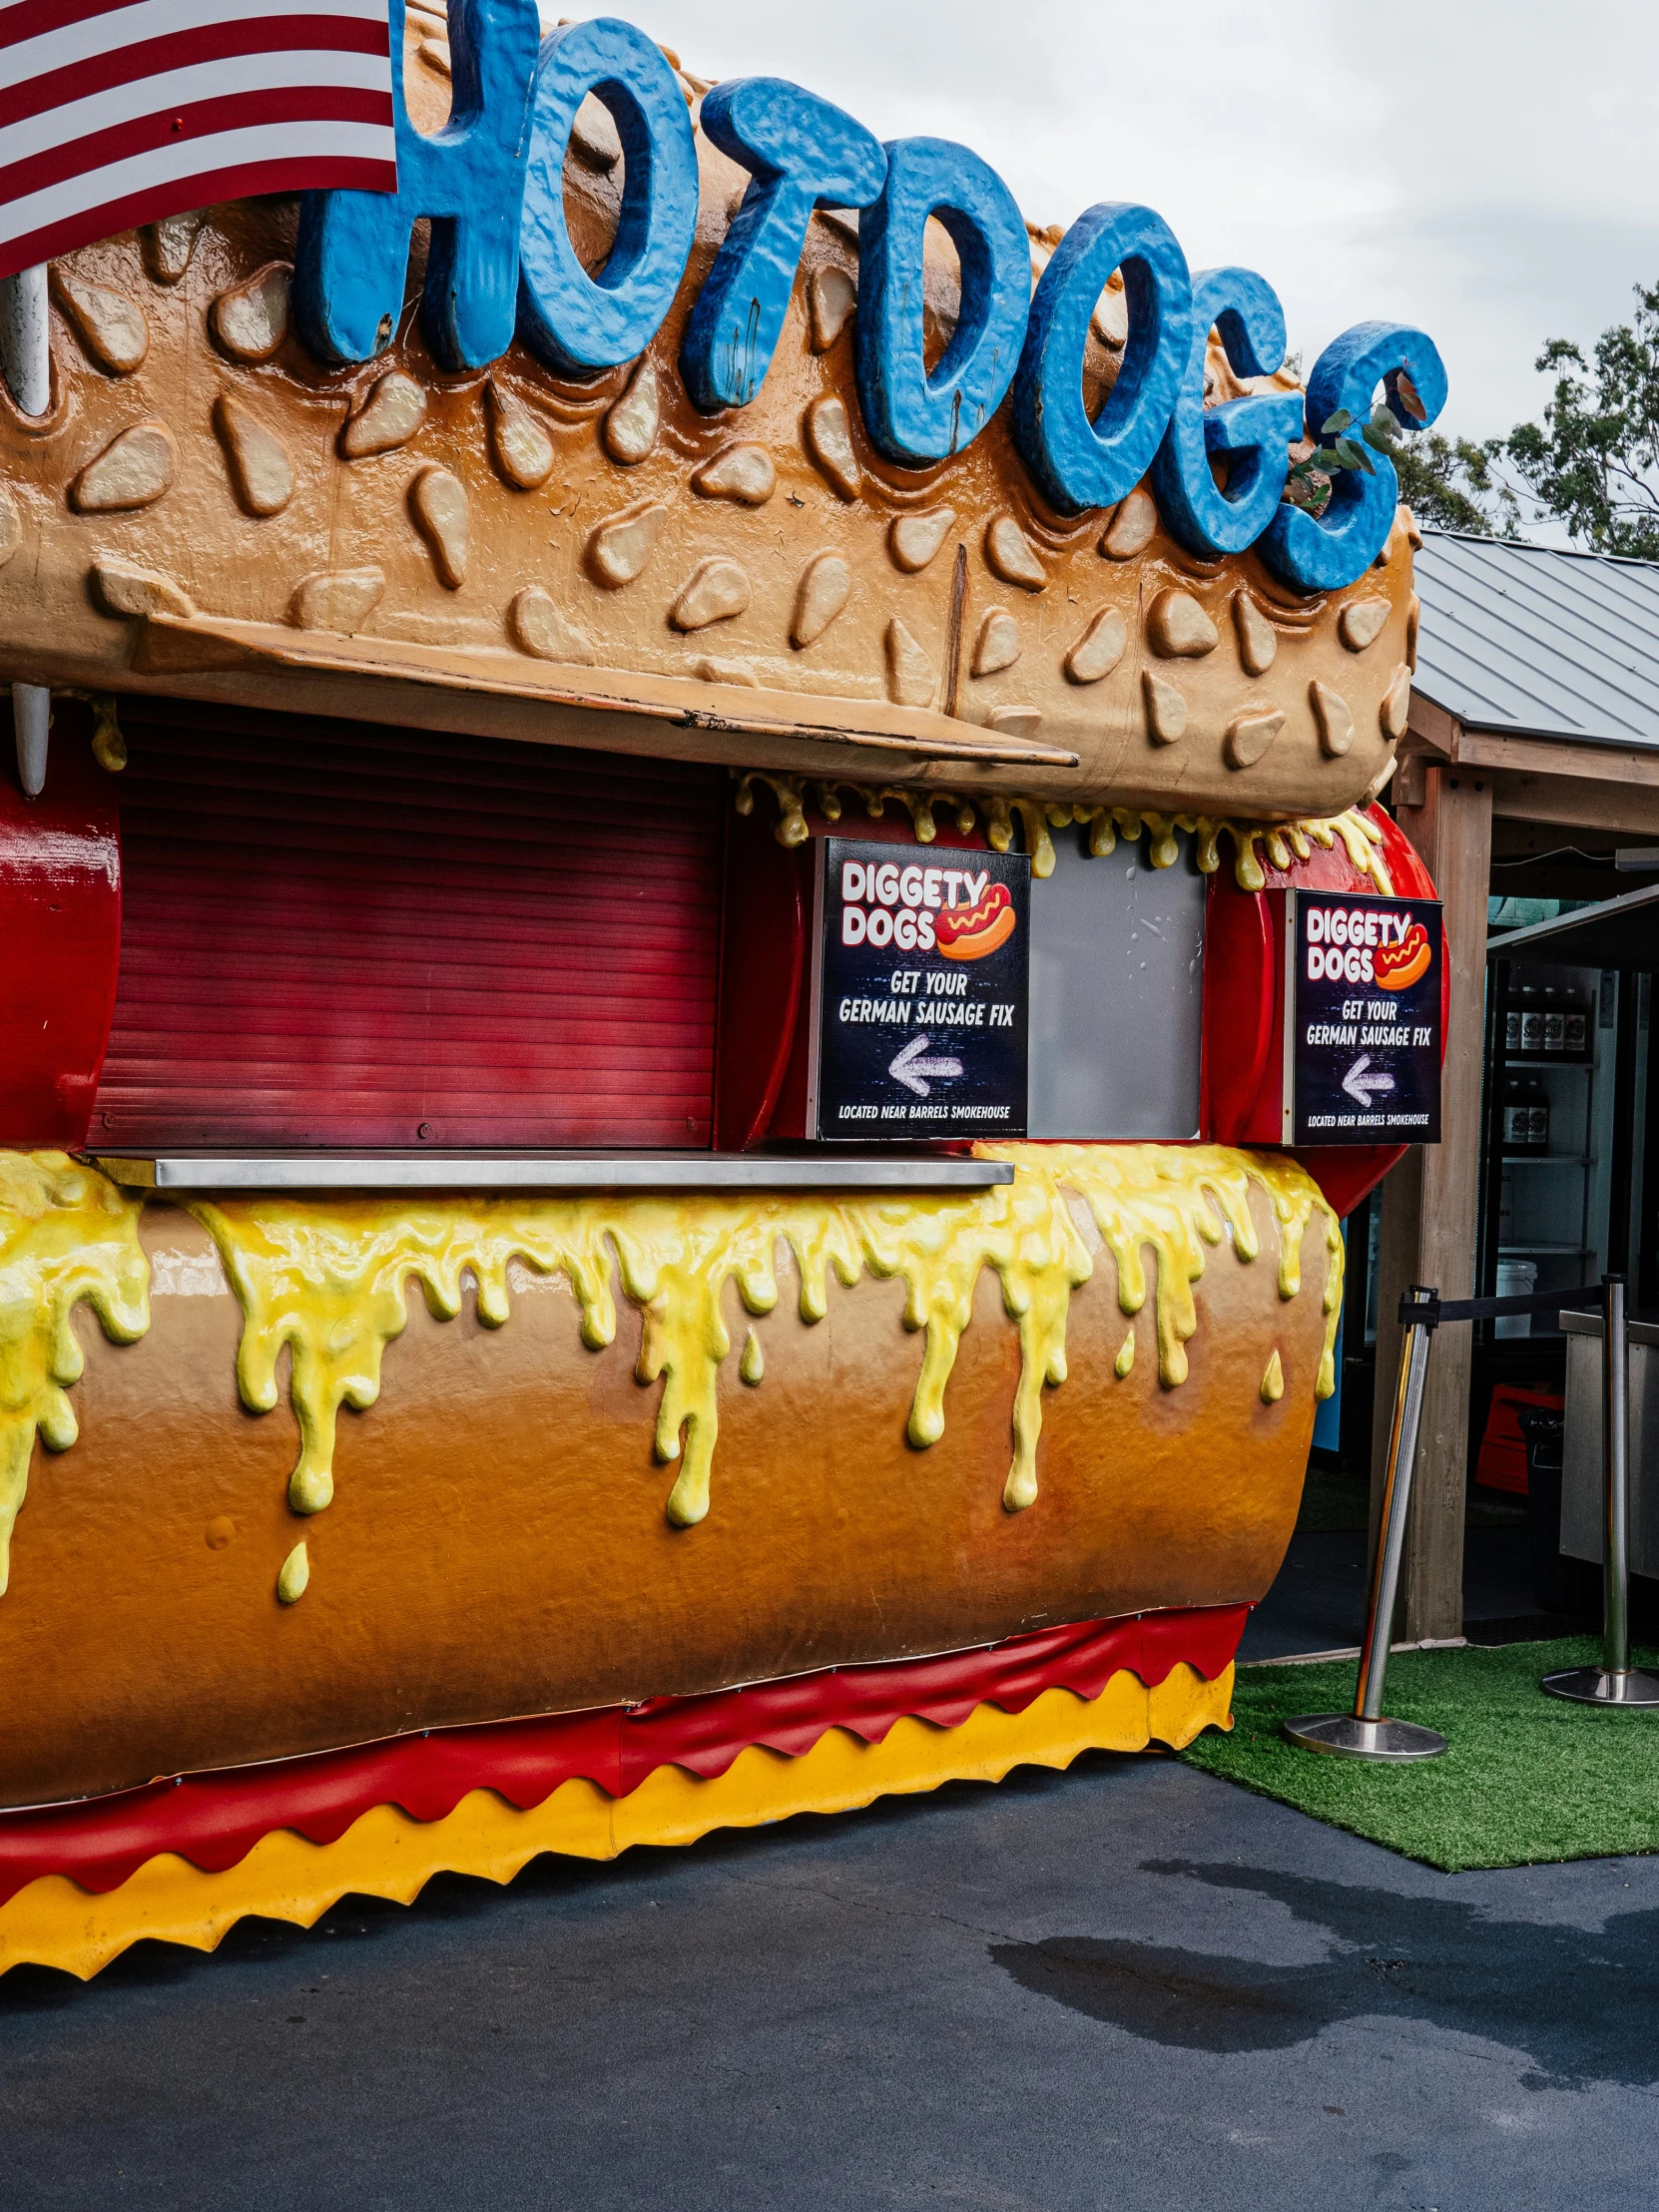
(688, 419)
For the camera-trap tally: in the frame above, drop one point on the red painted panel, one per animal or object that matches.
(60, 935)
(762, 964)
(1346, 1172)
(1243, 1012)
(763, 1081)
(341, 934)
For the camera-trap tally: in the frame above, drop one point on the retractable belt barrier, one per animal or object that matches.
(1367, 1733)
(1432, 1310)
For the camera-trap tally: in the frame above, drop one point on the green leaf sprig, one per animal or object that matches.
(1308, 482)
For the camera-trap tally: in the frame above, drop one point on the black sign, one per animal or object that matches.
(1362, 1037)
(919, 994)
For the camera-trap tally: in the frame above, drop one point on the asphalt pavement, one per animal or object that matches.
(1131, 1986)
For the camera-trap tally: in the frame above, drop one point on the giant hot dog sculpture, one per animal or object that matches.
(651, 1513)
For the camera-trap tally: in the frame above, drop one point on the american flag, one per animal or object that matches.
(115, 113)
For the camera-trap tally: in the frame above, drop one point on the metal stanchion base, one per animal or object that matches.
(1596, 1686)
(1350, 1738)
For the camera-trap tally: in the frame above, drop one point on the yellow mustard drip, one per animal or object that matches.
(329, 1281)
(1125, 1359)
(1284, 841)
(293, 1575)
(1273, 1382)
(329, 1277)
(66, 1233)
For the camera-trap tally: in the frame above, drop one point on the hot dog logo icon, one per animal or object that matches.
(971, 932)
(1396, 967)
(1369, 944)
(956, 911)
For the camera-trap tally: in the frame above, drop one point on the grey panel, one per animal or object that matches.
(1582, 1507)
(1537, 640)
(1117, 981)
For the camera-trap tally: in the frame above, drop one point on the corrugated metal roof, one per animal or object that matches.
(1540, 641)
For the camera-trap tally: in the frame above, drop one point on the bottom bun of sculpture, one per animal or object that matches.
(621, 1456)
(183, 1864)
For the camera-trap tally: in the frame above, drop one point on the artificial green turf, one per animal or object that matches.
(1525, 1777)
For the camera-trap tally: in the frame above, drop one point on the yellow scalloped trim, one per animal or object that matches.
(384, 1854)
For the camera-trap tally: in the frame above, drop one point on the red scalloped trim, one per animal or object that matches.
(214, 1820)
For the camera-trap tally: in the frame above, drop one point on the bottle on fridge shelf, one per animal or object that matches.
(1531, 1018)
(1555, 1020)
(1511, 1025)
(1578, 1025)
(1538, 1116)
(1518, 1116)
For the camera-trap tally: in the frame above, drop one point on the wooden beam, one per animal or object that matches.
(1429, 1205)
(1408, 783)
(1538, 774)
(1429, 726)
(1628, 811)
(1594, 763)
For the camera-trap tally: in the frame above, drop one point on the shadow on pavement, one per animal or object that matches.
(1427, 1958)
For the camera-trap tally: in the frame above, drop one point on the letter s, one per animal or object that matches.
(1335, 550)
(801, 154)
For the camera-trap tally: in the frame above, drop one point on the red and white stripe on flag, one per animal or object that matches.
(120, 112)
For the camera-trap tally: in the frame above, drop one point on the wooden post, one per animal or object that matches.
(1429, 1205)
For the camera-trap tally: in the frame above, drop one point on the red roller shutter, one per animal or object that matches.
(340, 934)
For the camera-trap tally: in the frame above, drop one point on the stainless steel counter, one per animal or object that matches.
(547, 1171)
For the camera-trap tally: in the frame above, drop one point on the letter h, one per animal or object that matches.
(351, 263)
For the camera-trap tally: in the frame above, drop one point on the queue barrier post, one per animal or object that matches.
(1615, 1681)
(1367, 1733)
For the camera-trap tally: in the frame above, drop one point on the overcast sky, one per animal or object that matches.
(1488, 172)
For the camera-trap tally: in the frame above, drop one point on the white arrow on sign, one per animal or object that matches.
(1362, 1086)
(910, 1067)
